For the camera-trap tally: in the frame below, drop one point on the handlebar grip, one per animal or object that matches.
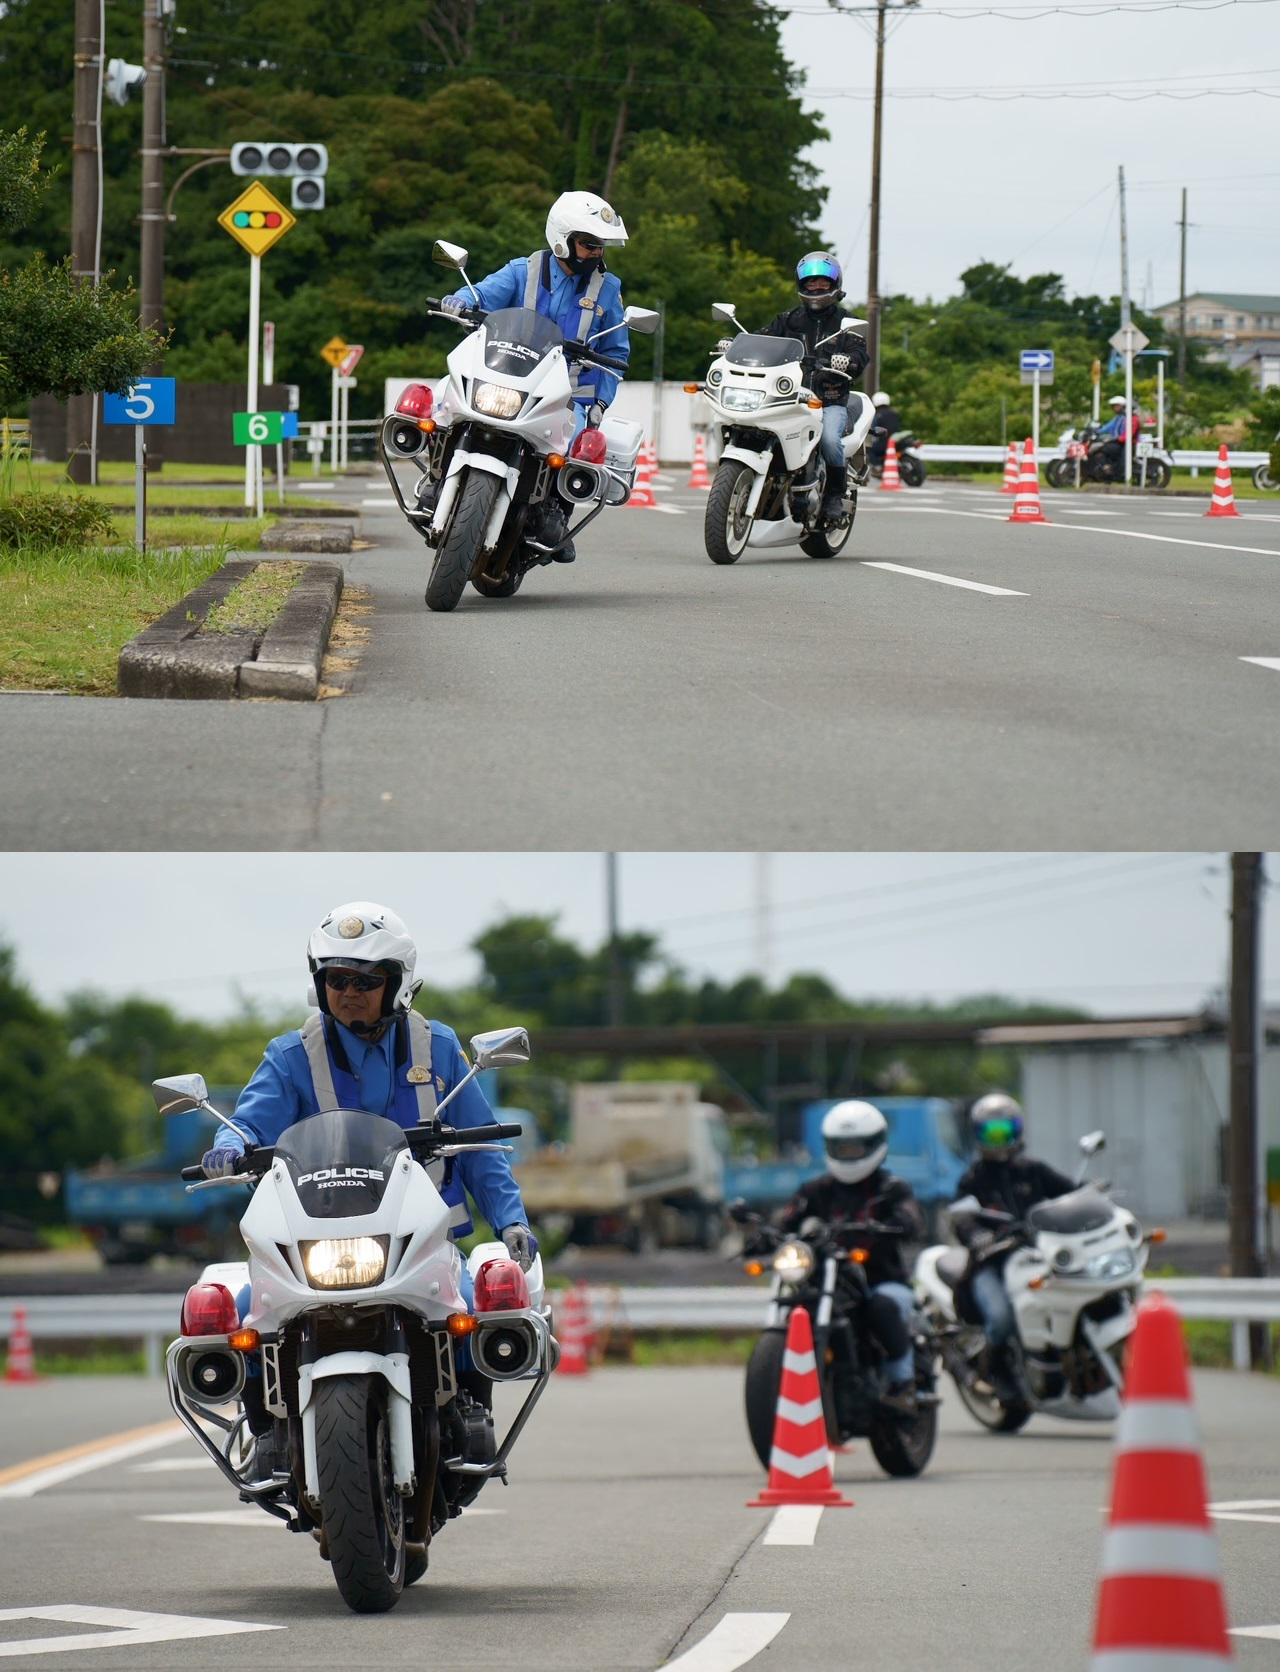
(192, 1173)
(511, 1129)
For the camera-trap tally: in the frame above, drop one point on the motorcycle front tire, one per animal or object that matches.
(462, 541)
(904, 1448)
(362, 1515)
(726, 528)
(762, 1389)
(912, 473)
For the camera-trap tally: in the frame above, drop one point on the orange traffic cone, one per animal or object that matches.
(699, 477)
(1160, 1607)
(891, 482)
(643, 496)
(800, 1471)
(575, 1333)
(1223, 493)
(1011, 470)
(21, 1366)
(1026, 507)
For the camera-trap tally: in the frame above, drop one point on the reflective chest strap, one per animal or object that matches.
(426, 1097)
(313, 1035)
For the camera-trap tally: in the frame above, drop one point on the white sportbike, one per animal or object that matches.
(337, 1401)
(492, 444)
(769, 486)
(1073, 1273)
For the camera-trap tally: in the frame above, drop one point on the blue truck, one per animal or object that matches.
(928, 1146)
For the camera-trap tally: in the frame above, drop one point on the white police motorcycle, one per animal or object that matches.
(492, 444)
(336, 1402)
(1073, 1273)
(770, 482)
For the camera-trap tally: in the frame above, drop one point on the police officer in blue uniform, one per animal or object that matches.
(569, 284)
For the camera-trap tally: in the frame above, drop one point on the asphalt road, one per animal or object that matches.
(1083, 685)
(624, 1540)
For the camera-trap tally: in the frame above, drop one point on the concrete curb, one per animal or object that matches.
(309, 537)
(171, 658)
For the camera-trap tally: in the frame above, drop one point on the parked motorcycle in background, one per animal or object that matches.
(1073, 1275)
(1081, 458)
(492, 444)
(822, 1269)
(327, 1360)
(770, 482)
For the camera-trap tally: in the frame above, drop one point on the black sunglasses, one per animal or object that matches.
(340, 980)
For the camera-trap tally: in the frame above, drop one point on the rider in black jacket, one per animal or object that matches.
(857, 1187)
(1004, 1179)
(818, 315)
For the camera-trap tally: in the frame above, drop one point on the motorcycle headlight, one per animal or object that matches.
(496, 401)
(345, 1262)
(743, 400)
(1119, 1263)
(793, 1261)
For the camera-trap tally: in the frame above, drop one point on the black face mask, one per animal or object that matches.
(580, 264)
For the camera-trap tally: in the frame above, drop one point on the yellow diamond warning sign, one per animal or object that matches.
(335, 352)
(256, 220)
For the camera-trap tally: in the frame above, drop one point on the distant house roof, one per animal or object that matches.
(1201, 1026)
(1249, 304)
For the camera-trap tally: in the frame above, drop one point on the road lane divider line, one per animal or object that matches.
(794, 1524)
(1273, 1632)
(125, 1628)
(1263, 661)
(24, 1480)
(732, 1643)
(1164, 539)
(945, 580)
(217, 1518)
(163, 1465)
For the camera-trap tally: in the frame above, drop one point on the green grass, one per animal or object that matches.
(98, 1359)
(240, 534)
(254, 603)
(1208, 1342)
(65, 614)
(50, 475)
(661, 1351)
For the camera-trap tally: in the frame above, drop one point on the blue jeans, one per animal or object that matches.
(900, 1368)
(833, 427)
(991, 1297)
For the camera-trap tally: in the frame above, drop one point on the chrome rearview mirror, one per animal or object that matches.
(1091, 1142)
(855, 325)
(179, 1093)
(726, 311)
(501, 1047)
(645, 320)
(450, 255)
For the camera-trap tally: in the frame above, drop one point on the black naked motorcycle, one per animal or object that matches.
(822, 1269)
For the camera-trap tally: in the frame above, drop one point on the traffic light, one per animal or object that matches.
(304, 165)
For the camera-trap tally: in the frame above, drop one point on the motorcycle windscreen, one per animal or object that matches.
(517, 339)
(753, 350)
(1081, 1210)
(340, 1161)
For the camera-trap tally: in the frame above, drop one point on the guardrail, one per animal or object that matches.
(947, 453)
(153, 1319)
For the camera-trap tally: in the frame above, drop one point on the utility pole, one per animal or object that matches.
(1181, 303)
(615, 974)
(152, 216)
(1125, 320)
(87, 63)
(875, 200)
(762, 915)
(1245, 1032)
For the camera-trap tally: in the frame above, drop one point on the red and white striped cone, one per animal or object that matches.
(643, 496)
(1011, 469)
(575, 1332)
(1223, 492)
(891, 482)
(801, 1471)
(1026, 507)
(1160, 1607)
(699, 477)
(21, 1365)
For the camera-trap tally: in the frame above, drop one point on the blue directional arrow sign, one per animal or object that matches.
(1037, 359)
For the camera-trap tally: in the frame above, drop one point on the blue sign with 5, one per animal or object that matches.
(152, 400)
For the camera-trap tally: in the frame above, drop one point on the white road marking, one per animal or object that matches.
(308, 486)
(1084, 511)
(946, 580)
(732, 1643)
(1167, 539)
(1247, 1509)
(219, 1518)
(389, 504)
(1273, 1632)
(794, 1524)
(163, 1465)
(1263, 661)
(669, 510)
(28, 1485)
(127, 1628)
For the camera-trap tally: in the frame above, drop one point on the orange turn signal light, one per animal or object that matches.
(427, 425)
(755, 1268)
(815, 404)
(1159, 1234)
(244, 1340)
(858, 1256)
(1036, 1283)
(461, 1323)
(556, 460)
(692, 388)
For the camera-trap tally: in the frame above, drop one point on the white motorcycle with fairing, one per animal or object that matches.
(769, 486)
(1073, 1273)
(336, 1402)
(492, 442)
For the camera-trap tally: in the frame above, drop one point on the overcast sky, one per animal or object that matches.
(982, 180)
(1112, 932)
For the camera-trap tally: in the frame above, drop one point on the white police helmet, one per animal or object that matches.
(855, 1136)
(880, 398)
(1117, 400)
(586, 213)
(365, 937)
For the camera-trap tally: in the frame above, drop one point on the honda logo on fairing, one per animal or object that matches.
(339, 1175)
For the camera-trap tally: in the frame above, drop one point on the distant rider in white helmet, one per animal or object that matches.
(856, 1188)
(887, 421)
(569, 284)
